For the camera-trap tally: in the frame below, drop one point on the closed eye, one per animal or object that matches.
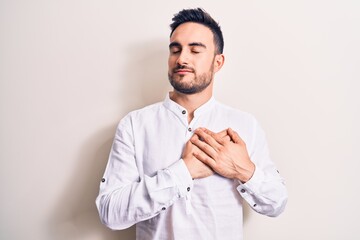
(197, 49)
(175, 48)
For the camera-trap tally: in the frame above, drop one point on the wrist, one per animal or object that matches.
(245, 174)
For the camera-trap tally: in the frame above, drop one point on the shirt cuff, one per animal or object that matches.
(181, 176)
(254, 182)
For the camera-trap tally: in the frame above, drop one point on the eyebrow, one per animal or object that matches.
(199, 44)
(176, 44)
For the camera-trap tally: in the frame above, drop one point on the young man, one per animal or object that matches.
(180, 169)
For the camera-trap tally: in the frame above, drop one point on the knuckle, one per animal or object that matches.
(221, 149)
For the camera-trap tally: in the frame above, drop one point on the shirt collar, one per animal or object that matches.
(181, 111)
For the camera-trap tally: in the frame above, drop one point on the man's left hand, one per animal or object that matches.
(227, 158)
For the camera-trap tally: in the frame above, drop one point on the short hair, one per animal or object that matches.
(198, 15)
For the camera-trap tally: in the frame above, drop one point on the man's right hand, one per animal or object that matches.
(197, 168)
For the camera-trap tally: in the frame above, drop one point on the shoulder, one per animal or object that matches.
(244, 123)
(146, 111)
(234, 113)
(140, 114)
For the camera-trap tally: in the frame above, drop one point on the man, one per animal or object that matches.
(182, 168)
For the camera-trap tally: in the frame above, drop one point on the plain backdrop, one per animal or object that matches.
(71, 69)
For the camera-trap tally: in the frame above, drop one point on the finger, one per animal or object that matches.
(218, 135)
(204, 158)
(234, 136)
(221, 137)
(210, 138)
(193, 137)
(204, 146)
(226, 139)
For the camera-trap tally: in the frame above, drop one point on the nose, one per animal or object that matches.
(183, 58)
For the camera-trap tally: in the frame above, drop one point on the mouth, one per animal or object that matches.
(183, 71)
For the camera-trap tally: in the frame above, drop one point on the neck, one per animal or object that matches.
(191, 102)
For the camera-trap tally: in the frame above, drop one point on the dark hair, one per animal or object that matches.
(198, 15)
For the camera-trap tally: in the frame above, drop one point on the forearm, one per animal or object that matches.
(122, 205)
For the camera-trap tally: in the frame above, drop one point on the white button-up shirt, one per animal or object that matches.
(148, 184)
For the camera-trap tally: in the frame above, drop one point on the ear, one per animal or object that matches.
(218, 62)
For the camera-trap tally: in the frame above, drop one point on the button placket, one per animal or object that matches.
(185, 121)
(189, 131)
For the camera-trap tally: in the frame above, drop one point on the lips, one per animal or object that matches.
(182, 71)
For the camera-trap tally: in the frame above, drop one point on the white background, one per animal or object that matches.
(70, 70)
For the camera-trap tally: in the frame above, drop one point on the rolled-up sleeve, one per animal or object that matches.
(126, 197)
(265, 192)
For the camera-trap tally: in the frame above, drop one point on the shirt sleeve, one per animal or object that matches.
(127, 197)
(265, 192)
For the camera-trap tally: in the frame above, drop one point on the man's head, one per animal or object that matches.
(198, 15)
(196, 46)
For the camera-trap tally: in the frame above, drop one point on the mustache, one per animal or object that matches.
(182, 67)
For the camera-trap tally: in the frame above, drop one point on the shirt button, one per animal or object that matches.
(103, 180)
(242, 190)
(254, 205)
(164, 208)
(189, 129)
(183, 112)
(188, 189)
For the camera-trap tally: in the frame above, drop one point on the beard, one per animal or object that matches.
(196, 85)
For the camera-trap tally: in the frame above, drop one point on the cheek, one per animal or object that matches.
(171, 61)
(205, 65)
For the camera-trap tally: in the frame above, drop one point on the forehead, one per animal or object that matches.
(193, 32)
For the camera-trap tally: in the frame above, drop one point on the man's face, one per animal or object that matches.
(191, 58)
